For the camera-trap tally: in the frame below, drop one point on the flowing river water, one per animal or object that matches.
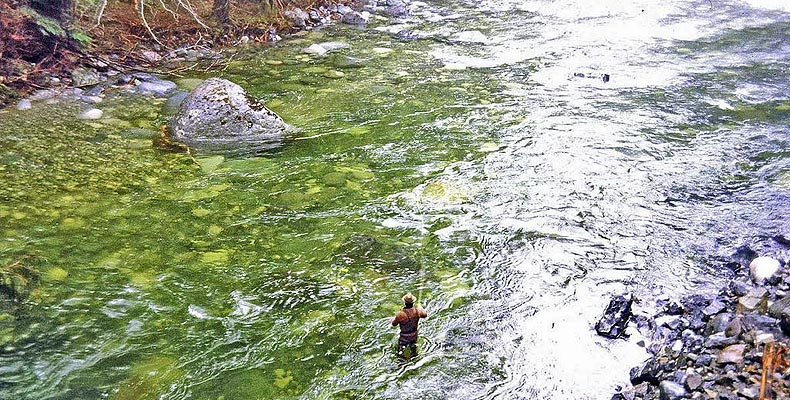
(478, 171)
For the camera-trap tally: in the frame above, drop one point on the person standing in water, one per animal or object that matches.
(407, 319)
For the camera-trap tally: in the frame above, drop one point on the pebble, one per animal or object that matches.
(763, 338)
(344, 9)
(734, 328)
(157, 87)
(151, 56)
(93, 113)
(714, 308)
(91, 99)
(671, 391)
(719, 340)
(780, 307)
(750, 392)
(693, 381)
(24, 104)
(732, 354)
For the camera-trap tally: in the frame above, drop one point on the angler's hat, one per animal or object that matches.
(409, 298)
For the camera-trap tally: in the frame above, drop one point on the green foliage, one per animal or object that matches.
(81, 37)
(48, 26)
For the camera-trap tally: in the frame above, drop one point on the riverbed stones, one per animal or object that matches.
(716, 306)
(219, 116)
(763, 268)
(43, 94)
(394, 8)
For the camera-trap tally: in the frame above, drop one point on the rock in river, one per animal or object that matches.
(615, 317)
(763, 268)
(219, 116)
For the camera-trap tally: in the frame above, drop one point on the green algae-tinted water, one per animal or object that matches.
(511, 197)
(245, 277)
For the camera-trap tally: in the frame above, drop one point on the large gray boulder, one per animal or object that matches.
(219, 116)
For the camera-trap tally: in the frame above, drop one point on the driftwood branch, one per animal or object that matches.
(774, 356)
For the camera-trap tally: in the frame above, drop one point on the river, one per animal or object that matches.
(494, 174)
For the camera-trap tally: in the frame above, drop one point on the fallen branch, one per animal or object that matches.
(773, 358)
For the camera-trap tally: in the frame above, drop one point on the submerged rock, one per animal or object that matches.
(219, 116)
(24, 104)
(16, 281)
(615, 317)
(158, 87)
(315, 49)
(93, 113)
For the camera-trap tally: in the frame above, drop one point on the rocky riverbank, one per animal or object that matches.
(713, 347)
(83, 69)
(91, 83)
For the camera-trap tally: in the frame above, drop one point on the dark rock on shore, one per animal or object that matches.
(219, 116)
(615, 317)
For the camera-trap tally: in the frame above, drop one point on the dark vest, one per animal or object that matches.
(408, 328)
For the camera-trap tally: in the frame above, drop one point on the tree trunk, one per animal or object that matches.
(221, 12)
